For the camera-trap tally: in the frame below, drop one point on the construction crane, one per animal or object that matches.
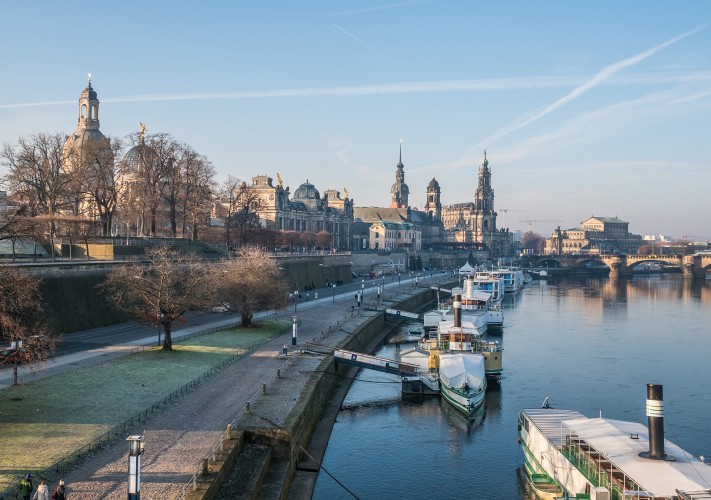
(505, 211)
(534, 221)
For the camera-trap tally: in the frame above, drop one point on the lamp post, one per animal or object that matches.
(296, 293)
(136, 448)
(333, 285)
(294, 330)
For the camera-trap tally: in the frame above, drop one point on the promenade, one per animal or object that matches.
(183, 433)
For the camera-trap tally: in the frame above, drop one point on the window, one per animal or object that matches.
(83, 111)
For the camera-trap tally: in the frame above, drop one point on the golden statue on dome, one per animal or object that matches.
(278, 180)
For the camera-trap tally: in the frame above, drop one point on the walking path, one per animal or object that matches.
(183, 433)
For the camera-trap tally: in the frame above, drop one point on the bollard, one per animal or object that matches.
(264, 388)
(248, 410)
(285, 350)
(228, 433)
(205, 467)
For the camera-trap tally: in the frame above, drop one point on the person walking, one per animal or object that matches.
(26, 487)
(42, 492)
(60, 493)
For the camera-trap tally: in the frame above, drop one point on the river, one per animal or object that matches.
(590, 345)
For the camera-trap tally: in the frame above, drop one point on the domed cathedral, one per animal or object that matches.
(306, 211)
(85, 152)
(399, 191)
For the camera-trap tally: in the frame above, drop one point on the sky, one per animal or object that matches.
(584, 108)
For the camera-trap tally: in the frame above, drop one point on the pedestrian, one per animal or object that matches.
(356, 298)
(42, 492)
(60, 493)
(26, 487)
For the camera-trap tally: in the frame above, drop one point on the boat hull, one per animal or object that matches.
(464, 404)
(462, 381)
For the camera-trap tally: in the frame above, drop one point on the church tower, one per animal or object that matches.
(433, 207)
(88, 109)
(399, 190)
(484, 217)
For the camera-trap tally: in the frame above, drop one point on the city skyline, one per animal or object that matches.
(583, 109)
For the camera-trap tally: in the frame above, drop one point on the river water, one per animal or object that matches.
(590, 345)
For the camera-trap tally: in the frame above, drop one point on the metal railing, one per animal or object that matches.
(191, 484)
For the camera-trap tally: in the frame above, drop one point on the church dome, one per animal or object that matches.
(136, 156)
(433, 184)
(306, 191)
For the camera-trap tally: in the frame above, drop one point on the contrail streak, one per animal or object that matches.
(360, 41)
(443, 86)
(600, 77)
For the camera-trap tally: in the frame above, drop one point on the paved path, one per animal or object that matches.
(183, 433)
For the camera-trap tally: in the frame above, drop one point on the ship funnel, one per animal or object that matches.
(457, 306)
(655, 423)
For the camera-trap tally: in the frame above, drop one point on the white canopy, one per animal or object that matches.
(457, 369)
(611, 438)
(467, 269)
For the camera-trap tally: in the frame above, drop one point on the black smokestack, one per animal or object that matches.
(655, 423)
(457, 305)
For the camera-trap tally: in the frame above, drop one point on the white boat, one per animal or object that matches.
(462, 380)
(513, 279)
(458, 360)
(605, 458)
(485, 281)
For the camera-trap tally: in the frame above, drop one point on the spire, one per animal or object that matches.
(399, 164)
(89, 80)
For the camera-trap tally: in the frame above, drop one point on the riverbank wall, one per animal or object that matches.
(291, 457)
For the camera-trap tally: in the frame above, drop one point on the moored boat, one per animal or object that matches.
(462, 380)
(611, 459)
(458, 360)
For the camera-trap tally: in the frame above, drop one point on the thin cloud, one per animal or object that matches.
(442, 86)
(600, 77)
(376, 8)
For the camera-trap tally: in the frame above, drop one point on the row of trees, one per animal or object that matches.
(51, 176)
(159, 294)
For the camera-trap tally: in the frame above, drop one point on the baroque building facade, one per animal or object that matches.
(475, 222)
(305, 211)
(596, 235)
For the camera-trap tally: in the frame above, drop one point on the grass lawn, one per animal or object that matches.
(44, 421)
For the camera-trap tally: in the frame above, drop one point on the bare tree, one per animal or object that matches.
(37, 174)
(97, 180)
(13, 225)
(198, 188)
(246, 216)
(323, 240)
(22, 321)
(162, 292)
(531, 240)
(250, 282)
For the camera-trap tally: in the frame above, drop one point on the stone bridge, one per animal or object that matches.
(691, 266)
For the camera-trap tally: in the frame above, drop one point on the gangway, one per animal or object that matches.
(366, 360)
(404, 314)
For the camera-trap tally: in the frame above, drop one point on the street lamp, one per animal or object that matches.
(333, 285)
(296, 293)
(136, 448)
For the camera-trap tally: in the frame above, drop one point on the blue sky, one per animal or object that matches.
(585, 108)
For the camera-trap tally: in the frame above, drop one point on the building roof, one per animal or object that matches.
(433, 184)
(374, 214)
(606, 220)
(393, 225)
(306, 191)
